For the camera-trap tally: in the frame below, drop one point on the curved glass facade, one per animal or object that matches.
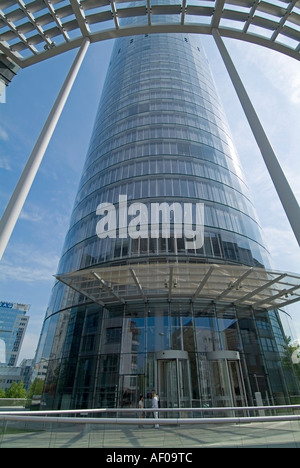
(160, 136)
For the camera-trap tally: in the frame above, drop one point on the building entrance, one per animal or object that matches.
(173, 379)
(228, 387)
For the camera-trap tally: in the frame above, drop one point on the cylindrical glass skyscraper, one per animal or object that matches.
(160, 140)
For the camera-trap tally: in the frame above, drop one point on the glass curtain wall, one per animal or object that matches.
(195, 355)
(161, 135)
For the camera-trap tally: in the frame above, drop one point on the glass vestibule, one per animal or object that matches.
(173, 379)
(193, 356)
(228, 389)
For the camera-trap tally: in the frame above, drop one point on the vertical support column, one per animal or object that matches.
(15, 205)
(284, 191)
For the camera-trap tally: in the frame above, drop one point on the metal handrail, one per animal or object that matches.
(56, 429)
(24, 414)
(149, 421)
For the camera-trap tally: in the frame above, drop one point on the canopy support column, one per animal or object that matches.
(284, 191)
(16, 203)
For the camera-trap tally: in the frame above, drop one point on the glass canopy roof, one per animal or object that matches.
(33, 30)
(239, 285)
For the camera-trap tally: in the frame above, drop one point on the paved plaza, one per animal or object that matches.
(285, 434)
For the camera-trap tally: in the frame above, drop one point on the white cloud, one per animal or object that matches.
(28, 265)
(4, 164)
(281, 71)
(285, 75)
(45, 222)
(282, 245)
(293, 179)
(3, 134)
(31, 216)
(30, 274)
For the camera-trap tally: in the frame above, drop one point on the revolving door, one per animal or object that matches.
(173, 379)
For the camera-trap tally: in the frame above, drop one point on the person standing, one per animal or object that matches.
(141, 406)
(155, 406)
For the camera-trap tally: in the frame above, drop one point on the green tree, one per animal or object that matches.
(16, 390)
(290, 352)
(36, 388)
(2, 393)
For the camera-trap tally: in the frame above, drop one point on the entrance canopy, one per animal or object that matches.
(239, 285)
(33, 30)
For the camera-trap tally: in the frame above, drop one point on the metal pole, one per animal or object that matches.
(16, 203)
(284, 191)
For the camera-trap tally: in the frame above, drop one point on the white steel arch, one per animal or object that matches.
(34, 30)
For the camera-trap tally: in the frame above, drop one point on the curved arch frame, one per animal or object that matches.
(34, 30)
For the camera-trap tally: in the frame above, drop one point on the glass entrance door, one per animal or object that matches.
(226, 378)
(237, 386)
(173, 380)
(220, 385)
(167, 384)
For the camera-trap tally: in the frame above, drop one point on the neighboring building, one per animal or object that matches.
(13, 324)
(156, 311)
(39, 370)
(22, 373)
(8, 69)
(10, 375)
(27, 369)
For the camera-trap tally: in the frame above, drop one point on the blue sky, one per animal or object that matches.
(30, 261)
